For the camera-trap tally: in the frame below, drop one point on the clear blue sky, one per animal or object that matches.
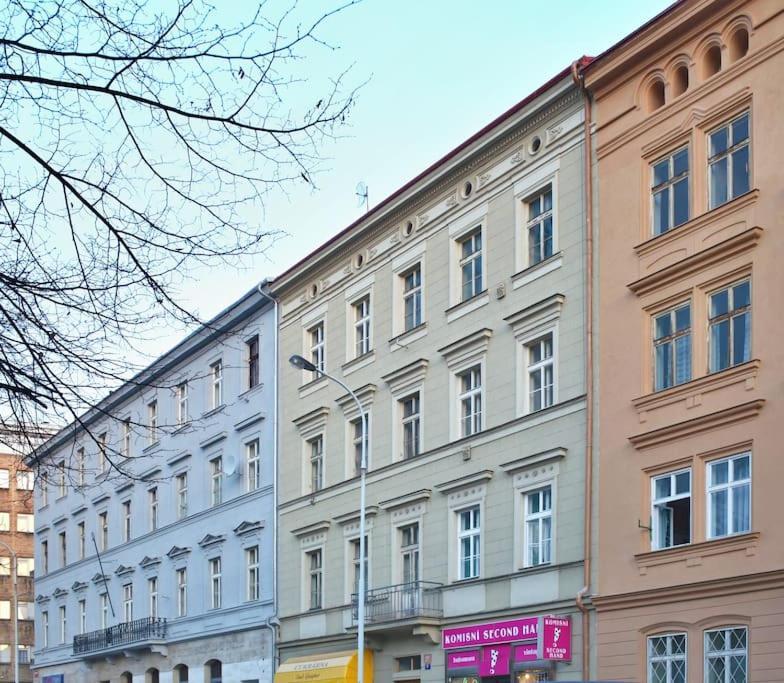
(439, 70)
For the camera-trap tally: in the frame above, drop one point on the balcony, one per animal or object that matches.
(130, 635)
(417, 602)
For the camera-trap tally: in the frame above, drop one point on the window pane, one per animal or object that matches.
(663, 326)
(740, 129)
(720, 303)
(719, 142)
(719, 513)
(740, 171)
(680, 210)
(534, 208)
(661, 211)
(719, 473)
(683, 359)
(663, 372)
(662, 487)
(740, 468)
(741, 509)
(741, 295)
(683, 318)
(718, 182)
(682, 482)
(680, 162)
(548, 200)
(661, 172)
(548, 238)
(720, 345)
(741, 349)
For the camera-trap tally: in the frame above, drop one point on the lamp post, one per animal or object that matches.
(16, 608)
(303, 364)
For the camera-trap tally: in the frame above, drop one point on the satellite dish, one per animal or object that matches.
(362, 194)
(230, 465)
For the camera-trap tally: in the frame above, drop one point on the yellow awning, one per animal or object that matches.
(332, 667)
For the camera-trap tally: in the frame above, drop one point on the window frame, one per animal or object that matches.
(127, 602)
(152, 422)
(253, 362)
(726, 653)
(152, 593)
(181, 397)
(315, 578)
(474, 395)
(181, 575)
(253, 464)
(474, 533)
(728, 487)
(414, 294)
(316, 336)
(82, 539)
(538, 517)
(182, 494)
(413, 420)
(355, 442)
(252, 574)
(669, 658)
(362, 325)
(127, 517)
(671, 341)
(655, 529)
(538, 221)
(728, 154)
(216, 480)
(730, 315)
(669, 186)
(412, 549)
(216, 384)
(540, 368)
(215, 573)
(153, 506)
(63, 620)
(476, 232)
(316, 459)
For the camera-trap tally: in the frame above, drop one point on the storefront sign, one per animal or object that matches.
(526, 653)
(490, 634)
(555, 642)
(495, 660)
(463, 660)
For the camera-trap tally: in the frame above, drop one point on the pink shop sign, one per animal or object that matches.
(492, 633)
(555, 641)
(495, 660)
(526, 653)
(463, 660)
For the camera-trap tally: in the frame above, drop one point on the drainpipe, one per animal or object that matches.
(579, 80)
(272, 622)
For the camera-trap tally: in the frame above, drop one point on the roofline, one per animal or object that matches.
(384, 203)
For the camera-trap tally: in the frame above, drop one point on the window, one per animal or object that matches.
(102, 440)
(470, 400)
(672, 347)
(104, 603)
(152, 501)
(726, 655)
(409, 553)
(670, 191)
(728, 161)
(359, 431)
(152, 591)
(540, 227)
(253, 464)
(730, 326)
(468, 537)
(45, 555)
(316, 448)
(216, 384)
(80, 466)
(667, 658)
(317, 346)
(252, 349)
(25, 480)
(541, 375)
(5, 609)
(671, 509)
(44, 491)
(729, 496)
(182, 495)
(411, 425)
(361, 310)
(63, 624)
(409, 663)
(126, 438)
(216, 481)
(152, 422)
(216, 585)
(103, 529)
(5, 521)
(82, 616)
(471, 265)
(45, 628)
(63, 549)
(81, 539)
(126, 508)
(412, 298)
(252, 572)
(355, 564)
(5, 481)
(25, 523)
(24, 654)
(25, 566)
(25, 611)
(182, 592)
(61, 490)
(128, 602)
(182, 403)
(315, 576)
(538, 526)
(5, 653)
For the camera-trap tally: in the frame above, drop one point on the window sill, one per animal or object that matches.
(245, 395)
(359, 362)
(152, 447)
(213, 411)
(537, 270)
(692, 555)
(181, 428)
(399, 341)
(465, 307)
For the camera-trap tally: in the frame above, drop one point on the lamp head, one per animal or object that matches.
(302, 363)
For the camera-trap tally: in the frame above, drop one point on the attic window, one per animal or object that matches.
(680, 80)
(655, 95)
(711, 61)
(739, 43)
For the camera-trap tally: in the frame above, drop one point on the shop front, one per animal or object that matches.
(332, 667)
(520, 650)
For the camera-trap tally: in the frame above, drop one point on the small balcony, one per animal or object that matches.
(406, 602)
(130, 635)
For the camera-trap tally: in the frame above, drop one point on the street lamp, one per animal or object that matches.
(303, 364)
(16, 609)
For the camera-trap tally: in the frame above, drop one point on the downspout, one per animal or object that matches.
(272, 622)
(579, 81)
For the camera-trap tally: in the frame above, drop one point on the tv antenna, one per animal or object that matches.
(362, 194)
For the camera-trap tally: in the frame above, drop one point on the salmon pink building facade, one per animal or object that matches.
(688, 144)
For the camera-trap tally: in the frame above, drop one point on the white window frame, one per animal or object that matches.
(538, 222)
(182, 591)
(668, 187)
(127, 602)
(412, 421)
(316, 336)
(62, 489)
(181, 481)
(81, 539)
(126, 437)
(352, 565)
(726, 653)
(414, 294)
(182, 403)
(216, 481)
(216, 582)
(252, 379)
(25, 480)
(670, 658)
(153, 505)
(5, 521)
(531, 185)
(152, 592)
(104, 607)
(729, 486)
(81, 465)
(216, 384)
(539, 518)
(103, 439)
(312, 573)
(253, 464)
(471, 395)
(414, 257)
(362, 324)
(63, 613)
(354, 443)
(127, 517)
(473, 532)
(103, 528)
(28, 527)
(670, 340)
(5, 478)
(729, 316)
(411, 549)
(540, 368)
(45, 628)
(152, 422)
(728, 154)
(62, 538)
(252, 573)
(478, 254)
(655, 502)
(316, 462)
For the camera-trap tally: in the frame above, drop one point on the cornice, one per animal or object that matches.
(213, 439)
(693, 553)
(550, 455)
(463, 482)
(365, 395)
(314, 528)
(472, 344)
(420, 496)
(412, 373)
(353, 516)
(536, 314)
(211, 539)
(317, 416)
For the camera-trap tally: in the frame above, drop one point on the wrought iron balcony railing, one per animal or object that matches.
(400, 602)
(126, 633)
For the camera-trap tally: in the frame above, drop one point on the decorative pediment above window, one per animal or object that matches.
(421, 496)
(405, 378)
(148, 562)
(59, 593)
(211, 540)
(312, 534)
(212, 439)
(41, 599)
(248, 527)
(353, 516)
(471, 347)
(100, 498)
(79, 586)
(78, 509)
(123, 570)
(152, 473)
(347, 404)
(100, 578)
(533, 318)
(177, 551)
(124, 486)
(465, 482)
(312, 423)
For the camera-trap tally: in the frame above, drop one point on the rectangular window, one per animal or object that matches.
(729, 496)
(409, 663)
(103, 529)
(44, 488)
(667, 658)
(104, 604)
(63, 624)
(672, 347)
(5, 609)
(538, 526)
(216, 583)
(61, 484)
(317, 346)
(5, 653)
(670, 191)
(82, 616)
(63, 549)
(541, 373)
(182, 592)
(45, 628)
(25, 566)
(359, 438)
(409, 407)
(409, 553)
(152, 422)
(730, 326)
(182, 495)
(182, 403)
(152, 501)
(252, 573)
(128, 602)
(726, 655)
(540, 227)
(361, 310)
(102, 441)
(671, 509)
(355, 566)
(470, 400)
(81, 539)
(152, 592)
(252, 350)
(126, 509)
(45, 556)
(5, 521)
(316, 448)
(81, 466)
(469, 539)
(729, 169)
(24, 654)
(315, 576)
(471, 275)
(412, 298)
(216, 384)
(5, 479)
(25, 480)
(216, 481)
(253, 464)
(126, 438)
(25, 611)
(25, 523)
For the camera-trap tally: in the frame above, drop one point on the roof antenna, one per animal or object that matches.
(362, 195)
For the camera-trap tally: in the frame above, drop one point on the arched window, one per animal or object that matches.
(214, 670)
(711, 61)
(181, 673)
(126, 677)
(152, 676)
(680, 80)
(739, 43)
(655, 95)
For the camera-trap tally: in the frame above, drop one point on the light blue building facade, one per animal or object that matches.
(166, 572)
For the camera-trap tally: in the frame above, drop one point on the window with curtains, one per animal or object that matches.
(672, 347)
(729, 496)
(730, 326)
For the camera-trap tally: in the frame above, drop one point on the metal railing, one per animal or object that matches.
(402, 601)
(126, 633)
